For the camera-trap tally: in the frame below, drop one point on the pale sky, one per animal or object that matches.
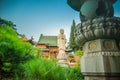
(47, 17)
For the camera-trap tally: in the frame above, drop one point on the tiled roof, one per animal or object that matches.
(48, 40)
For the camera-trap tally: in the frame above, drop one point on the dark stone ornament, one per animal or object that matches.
(90, 9)
(99, 35)
(98, 28)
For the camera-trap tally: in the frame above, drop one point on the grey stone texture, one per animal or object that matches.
(90, 9)
(102, 27)
(101, 60)
(99, 35)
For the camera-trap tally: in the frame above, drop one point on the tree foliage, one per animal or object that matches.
(79, 53)
(75, 74)
(18, 61)
(4, 23)
(72, 43)
(44, 69)
(13, 52)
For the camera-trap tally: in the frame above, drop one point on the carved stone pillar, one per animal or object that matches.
(100, 39)
(99, 35)
(101, 60)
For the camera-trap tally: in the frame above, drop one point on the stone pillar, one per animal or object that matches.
(101, 60)
(100, 39)
(62, 58)
(99, 35)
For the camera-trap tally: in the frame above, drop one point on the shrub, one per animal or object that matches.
(75, 74)
(18, 61)
(43, 69)
(79, 53)
(13, 52)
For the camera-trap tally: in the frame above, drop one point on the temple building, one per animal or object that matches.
(24, 38)
(54, 47)
(48, 45)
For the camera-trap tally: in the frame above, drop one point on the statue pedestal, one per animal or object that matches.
(62, 59)
(101, 60)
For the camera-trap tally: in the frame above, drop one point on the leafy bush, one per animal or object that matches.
(18, 61)
(43, 69)
(13, 52)
(79, 53)
(75, 74)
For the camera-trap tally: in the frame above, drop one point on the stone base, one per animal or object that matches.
(63, 63)
(101, 64)
(101, 68)
(102, 78)
(62, 59)
(101, 60)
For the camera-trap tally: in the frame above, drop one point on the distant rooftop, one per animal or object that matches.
(48, 40)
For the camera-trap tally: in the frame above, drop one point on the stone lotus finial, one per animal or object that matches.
(98, 28)
(89, 9)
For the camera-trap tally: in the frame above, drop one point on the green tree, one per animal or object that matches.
(4, 23)
(72, 43)
(13, 52)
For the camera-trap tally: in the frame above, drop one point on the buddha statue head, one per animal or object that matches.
(61, 31)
